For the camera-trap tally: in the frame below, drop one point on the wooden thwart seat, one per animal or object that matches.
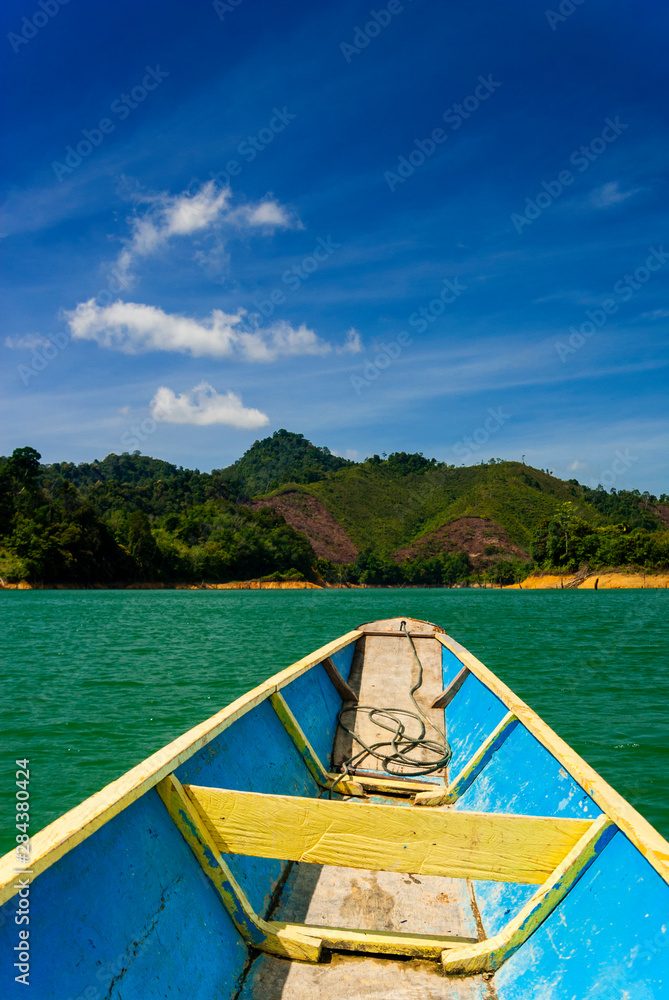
(531, 849)
(398, 838)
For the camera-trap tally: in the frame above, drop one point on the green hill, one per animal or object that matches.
(378, 506)
(284, 457)
(401, 518)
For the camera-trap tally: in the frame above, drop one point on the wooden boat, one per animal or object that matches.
(240, 862)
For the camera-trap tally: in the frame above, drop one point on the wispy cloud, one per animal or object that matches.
(209, 208)
(203, 406)
(27, 342)
(352, 344)
(135, 328)
(611, 194)
(656, 314)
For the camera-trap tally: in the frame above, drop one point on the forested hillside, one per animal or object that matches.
(290, 509)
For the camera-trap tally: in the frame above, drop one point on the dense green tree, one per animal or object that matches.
(284, 457)
(132, 517)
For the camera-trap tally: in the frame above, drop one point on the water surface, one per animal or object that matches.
(92, 682)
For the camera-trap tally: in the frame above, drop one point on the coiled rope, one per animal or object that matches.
(403, 751)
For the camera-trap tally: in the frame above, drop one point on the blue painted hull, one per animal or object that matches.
(127, 910)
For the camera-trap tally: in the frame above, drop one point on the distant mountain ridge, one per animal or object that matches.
(288, 506)
(391, 503)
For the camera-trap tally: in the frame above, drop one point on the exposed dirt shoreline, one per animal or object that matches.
(605, 580)
(237, 585)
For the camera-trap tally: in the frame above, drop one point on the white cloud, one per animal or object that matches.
(185, 214)
(352, 344)
(29, 341)
(135, 328)
(610, 194)
(576, 466)
(266, 213)
(656, 314)
(203, 406)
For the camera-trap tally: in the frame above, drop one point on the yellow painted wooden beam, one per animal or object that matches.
(387, 837)
(294, 730)
(75, 826)
(345, 786)
(644, 836)
(489, 955)
(386, 786)
(289, 942)
(473, 767)
(425, 946)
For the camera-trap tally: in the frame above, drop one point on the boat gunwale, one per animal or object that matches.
(73, 827)
(62, 835)
(643, 835)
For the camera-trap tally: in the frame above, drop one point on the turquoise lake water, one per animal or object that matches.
(93, 682)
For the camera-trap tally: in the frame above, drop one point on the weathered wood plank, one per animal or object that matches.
(345, 692)
(489, 955)
(75, 826)
(386, 786)
(388, 837)
(473, 767)
(289, 942)
(423, 946)
(391, 626)
(382, 674)
(414, 635)
(354, 977)
(361, 899)
(447, 696)
(644, 837)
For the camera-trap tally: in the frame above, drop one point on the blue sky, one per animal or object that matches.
(437, 227)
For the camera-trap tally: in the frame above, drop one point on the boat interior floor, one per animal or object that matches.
(357, 977)
(382, 673)
(356, 898)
